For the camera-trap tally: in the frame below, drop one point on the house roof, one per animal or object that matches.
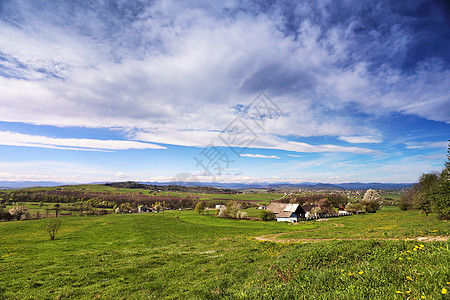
(284, 214)
(307, 207)
(278, 208)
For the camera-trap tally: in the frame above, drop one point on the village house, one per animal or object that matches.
(307, 208)
(286, 212)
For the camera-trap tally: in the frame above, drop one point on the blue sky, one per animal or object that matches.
(228, 91)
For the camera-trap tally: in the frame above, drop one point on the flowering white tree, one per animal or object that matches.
(19, 212)
(371, 201)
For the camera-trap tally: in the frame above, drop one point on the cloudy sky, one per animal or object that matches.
(233, 91)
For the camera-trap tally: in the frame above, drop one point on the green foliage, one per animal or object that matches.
(426, 192)
(200, 207)
(442, 196)
(265, 215)
(353, 207)
(407, 200)
(53, 225)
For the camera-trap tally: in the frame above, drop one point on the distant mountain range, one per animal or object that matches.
(262, 185)
(342, 186)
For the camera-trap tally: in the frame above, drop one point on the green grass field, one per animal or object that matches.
(184, 255)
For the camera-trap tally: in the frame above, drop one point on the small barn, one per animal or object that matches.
(286, 212)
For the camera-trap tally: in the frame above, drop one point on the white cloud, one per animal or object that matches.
(178, 67)
(260, 156)
(360, 139)
(260, 140)
(426, 145)
(26, 140)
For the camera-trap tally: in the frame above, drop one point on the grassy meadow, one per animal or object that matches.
(185, 255)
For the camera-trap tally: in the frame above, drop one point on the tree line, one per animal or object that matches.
(431, 193)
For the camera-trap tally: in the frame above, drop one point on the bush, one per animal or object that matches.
(265, 215)
(200, 207)
(4, 215)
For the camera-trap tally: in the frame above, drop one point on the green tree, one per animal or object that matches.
(371, 201)
(157, 206)
(53, 226)
(57, 209)
(442, 196)
(200, 207)
(424, 198)
(353, 207)
(265, 215)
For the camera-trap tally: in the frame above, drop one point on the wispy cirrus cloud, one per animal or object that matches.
(26, 140)
(260, 156)
(361, 139)
(426, 145)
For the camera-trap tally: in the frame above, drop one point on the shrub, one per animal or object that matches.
(200, 207)
(265, 215)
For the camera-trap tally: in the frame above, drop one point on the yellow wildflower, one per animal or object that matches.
(408, 292)
(360, 272)
(423, 297)
(398, 292)
(408, 277)
(400, 258)
(444, 291)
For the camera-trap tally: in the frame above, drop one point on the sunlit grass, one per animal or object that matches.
(185, 255)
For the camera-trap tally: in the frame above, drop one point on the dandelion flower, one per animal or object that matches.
(423, 297)
(360, 272)
(408, 292)
(398, 292)
(400, 258)
(408, 277)
(444, 291)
